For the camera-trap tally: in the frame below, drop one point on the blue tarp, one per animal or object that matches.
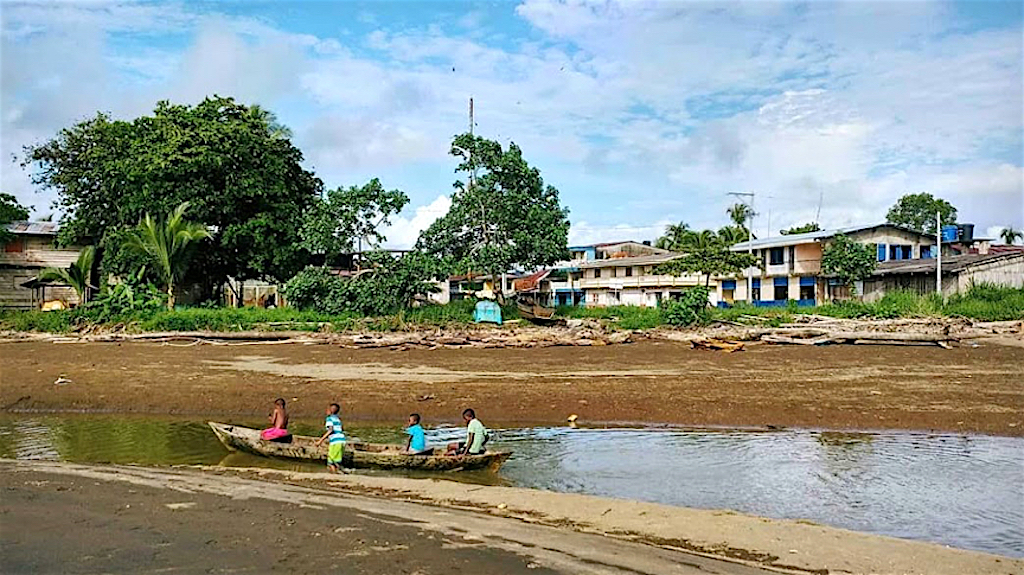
(487, 311)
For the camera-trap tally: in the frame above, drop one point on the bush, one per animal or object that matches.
(988, 302)
(690, 309)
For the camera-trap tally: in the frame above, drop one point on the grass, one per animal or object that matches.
(981, 302)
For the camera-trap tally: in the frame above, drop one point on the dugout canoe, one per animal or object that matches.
(357, 454)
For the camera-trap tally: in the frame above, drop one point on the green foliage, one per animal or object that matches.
(62, 321)
(388, 285)
(624, 316)
(77, 276)
(741, 214)
(233, 163)
(675, 236)
(806, 228)
(690, 309)
(130, 299)
(1010, 235)
(847, 260)
(988, 302)
(168, 243)
(333, 224)
(716, 260)
(10, 211)
(506, 218)
(917, 211)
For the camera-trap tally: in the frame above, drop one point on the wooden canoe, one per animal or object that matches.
(357, 454)
(536, 313)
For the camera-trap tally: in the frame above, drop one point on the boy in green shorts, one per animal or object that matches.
(335, 437)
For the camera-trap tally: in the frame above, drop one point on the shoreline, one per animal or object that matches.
(755, 542)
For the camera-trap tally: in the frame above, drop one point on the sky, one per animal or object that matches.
(640, 113)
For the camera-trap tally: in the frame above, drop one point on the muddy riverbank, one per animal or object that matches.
(965, 389)
(261, 519)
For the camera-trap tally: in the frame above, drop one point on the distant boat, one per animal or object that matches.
(357, 454)
(532, 311)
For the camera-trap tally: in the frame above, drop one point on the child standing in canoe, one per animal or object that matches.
(335, 437)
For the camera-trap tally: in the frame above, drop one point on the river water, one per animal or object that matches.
(965, 491)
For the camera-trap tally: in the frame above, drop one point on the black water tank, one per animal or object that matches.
(647, 242)
(966, 232)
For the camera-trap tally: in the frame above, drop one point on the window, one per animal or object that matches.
(611, 272)
(729, 290)
(881, 252)
(806, 292)
(629, 271)
(781, 289)
(597, 273)
(755, 290)
(926, 252)
(899, 252)
(776, 257)
(16, 246)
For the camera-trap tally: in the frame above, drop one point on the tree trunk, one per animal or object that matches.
(170, 296)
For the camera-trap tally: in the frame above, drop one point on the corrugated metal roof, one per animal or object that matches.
(34, 228)
(950, 264)
(810, 237)
(633, 261)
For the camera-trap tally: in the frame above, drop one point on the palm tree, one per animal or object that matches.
(740, 214)
(1010, 235)
(732, 235)
(168, 243)
(703, 240)
(673, 237)
(76, 276)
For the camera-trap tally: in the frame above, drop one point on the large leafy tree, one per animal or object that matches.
(233, 163)
(77, 275)
(847, 260)
(506, 216)
(335, 222)
(169, 244)
(10, 211)
(917, 211)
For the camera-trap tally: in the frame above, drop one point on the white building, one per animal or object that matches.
(634, 281)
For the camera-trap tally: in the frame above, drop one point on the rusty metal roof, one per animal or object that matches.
(34, 228)
(950, 264)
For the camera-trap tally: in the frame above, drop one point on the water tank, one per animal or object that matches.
(966, 232)
(949, 233)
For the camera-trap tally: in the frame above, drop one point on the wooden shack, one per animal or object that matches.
(32, 250)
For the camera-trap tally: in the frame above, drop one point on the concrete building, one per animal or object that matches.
(633, 281)
(32, 250)
(791, 265)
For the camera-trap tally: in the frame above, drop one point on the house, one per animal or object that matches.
(634, 281)
(32, 250)
(791, 264)
(959, 272)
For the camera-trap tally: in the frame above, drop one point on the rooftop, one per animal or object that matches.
(648, 260)
(811, 237)
(34, 228)
(950, 264)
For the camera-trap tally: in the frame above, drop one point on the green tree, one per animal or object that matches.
(505, 217)
(333, 224)
(714, 260)
(10, 211)
(673, 237)
(1010, 235)
(169, 244)
(847, 260)
(732, 235)
(741, 214)
(233, 163)
(806, 228)
(917, 211)
(77, 276)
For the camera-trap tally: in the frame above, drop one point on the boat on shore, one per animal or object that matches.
(536, 313)
(357, 455)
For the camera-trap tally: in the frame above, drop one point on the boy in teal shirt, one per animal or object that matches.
(335, 436)
(417, 440)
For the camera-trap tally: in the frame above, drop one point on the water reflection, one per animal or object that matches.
(964, 491)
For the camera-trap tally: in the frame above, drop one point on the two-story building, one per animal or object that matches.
(791, 264)
(635, 281)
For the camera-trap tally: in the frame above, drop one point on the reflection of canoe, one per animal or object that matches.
(536, 313)
(357, 454)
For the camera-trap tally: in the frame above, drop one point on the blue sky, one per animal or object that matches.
(641, 113)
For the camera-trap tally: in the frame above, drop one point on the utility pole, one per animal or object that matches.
(750, 249)
(938, 256)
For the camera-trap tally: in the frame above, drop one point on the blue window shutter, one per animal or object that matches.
(729, 284)
(781, 282)
(804, 281)
(881, 252)
(757, 283)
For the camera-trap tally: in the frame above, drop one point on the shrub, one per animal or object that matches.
(691, 308)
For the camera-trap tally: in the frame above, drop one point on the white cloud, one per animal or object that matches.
(403, 232)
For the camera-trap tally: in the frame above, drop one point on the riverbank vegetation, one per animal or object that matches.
(981, 302)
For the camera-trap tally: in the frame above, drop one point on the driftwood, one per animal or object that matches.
(716, 344)
(821, 337)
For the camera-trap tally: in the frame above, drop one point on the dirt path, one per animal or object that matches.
(841, 387)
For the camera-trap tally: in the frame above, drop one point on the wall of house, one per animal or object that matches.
(22, 259)
(889, 237)
(1007, 272)
(642, 297)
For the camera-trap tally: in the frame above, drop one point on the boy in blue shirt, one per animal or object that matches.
(417, 441)
(335, 437)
